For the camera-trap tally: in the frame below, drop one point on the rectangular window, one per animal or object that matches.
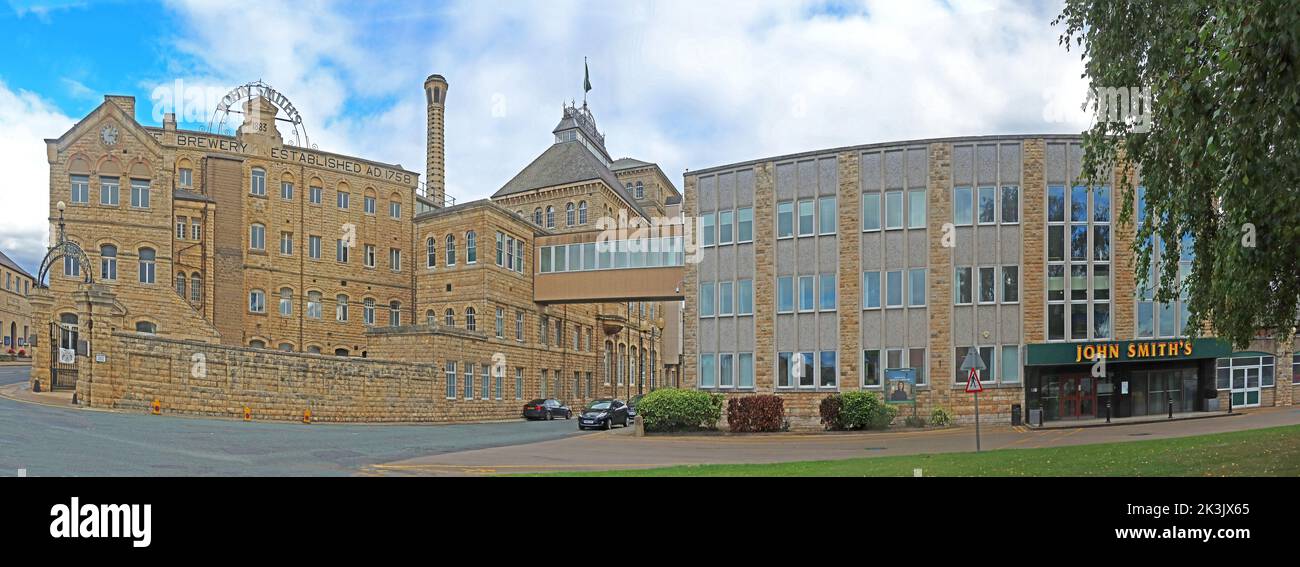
(1056, 203)
(1078, 321)
(340, 251)
(1101, 204)
(1079, 203)
(744, 225)
(80, 189)
(108, 191)
(1101, 320)
(450, 376)
(140, 193)
(725, 298)
(314, 194)
(181, 224)
(726, 227)
(784, 219)
(894, 209)
(1101, 243)
(195, 231)
(826, 215)
(805, 218)
(916, 208)
(871, 290)
(961, 206)
(962, 287)
(368, 205)
(1010, 364)
(1146, 316)
(313, 247)
(1056, 243)
(1010, 204)
(707, 234)
(894, 288)
(394, 209)
(519, 326)
(829, 371)
(1010, 284)
(1101, 282)
(784, 360)
(286, 190)
(806, 293)
(785, 294)
(286, 243)
(1078, 282)
(745, 369)
(726, 371)
(468, 386)
(707, 297)
(708, 373)
(745, 297)
(395, 259)
(871, 368)
(870, 211)
(519, 383)
(186, 177)
(987, 206)
(916, 287)
(828, 292)
(1056, 322)
(988, 286)
(916, 360)
(368, 257)
(485, 381)
(807, 362)
(1078, 242)
(1056, 283)
(344, 200)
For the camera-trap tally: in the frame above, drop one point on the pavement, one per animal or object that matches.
(617, 449)
(59, 439)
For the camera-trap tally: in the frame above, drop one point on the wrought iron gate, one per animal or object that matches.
(63, 373)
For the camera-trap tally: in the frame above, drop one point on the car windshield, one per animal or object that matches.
(599, 405)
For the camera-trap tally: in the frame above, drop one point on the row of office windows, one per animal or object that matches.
(188, 228)
(986, 285)
(727, 227)
(725, 299)
(315, 306)
(727, 370)
(315, 194)
(110, 191)
(819, 370)
(613, 255)
(815, 293)
(480, 381)
(1078, 244)
(257, 243)
(509, 253)
(986, 205)
(1155, 319)
(147, 264)
(815, 216)
(573, 215)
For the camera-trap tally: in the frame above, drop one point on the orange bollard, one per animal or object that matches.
(156, 407)
(248, 414)
(306, 416)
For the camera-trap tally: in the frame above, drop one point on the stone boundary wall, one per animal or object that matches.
(273, 385)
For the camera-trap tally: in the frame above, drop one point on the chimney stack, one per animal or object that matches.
(435, 179)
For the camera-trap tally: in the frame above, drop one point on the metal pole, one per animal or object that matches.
(1107, 410)
(977, 422)
(1171, 406)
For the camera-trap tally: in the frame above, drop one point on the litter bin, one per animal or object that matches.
(1036, 417)
(1015, 414)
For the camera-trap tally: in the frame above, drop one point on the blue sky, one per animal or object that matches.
(683, 83)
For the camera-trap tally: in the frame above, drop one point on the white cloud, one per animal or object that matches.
(25, 122)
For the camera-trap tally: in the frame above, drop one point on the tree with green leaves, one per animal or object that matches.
(1217, 147)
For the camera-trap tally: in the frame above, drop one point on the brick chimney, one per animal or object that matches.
(435, 178)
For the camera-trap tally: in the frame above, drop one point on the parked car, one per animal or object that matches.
(631, 406)
(546, 409)
(603, 414)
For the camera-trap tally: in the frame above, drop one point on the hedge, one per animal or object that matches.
(856, 410)
(671, 409)
(764, 412)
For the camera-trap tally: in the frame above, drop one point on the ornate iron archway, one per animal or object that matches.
(217, 122)
(64, 248)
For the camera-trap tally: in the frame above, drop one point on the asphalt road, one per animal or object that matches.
(52, 441)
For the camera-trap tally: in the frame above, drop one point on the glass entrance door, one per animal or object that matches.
(1245, 386)
(1078, 397)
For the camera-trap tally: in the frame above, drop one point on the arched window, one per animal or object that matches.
(341, 308)
(429, 318)
(550, 217)
(257, 343)
(68, 331)
(640, 190)
(196, 288)
(582, 212)
(314, 305)
(471, 247)
(71, 267)
(340, 352)
(313, 349)
(537, 216)
(181, 280)
(451, 250)
(286, 347)
(257, 185)
(108, 262)
(471, 324)
(257, 301)
(430, 252)
(449, 317)
(570, 214)
(257, 237)
(368, 312)
(395, 314)
(286, 302)
(146, 327)
(147, 256)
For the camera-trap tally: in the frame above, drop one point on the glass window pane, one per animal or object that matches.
(987, 285)
(916, 287)
(1010, 364)
(707, 234)
(1056, 203)
(1010, 284)
(1079, 242)
(745, 297)
(986, 205)
(1101, 320)
(916, 361)
(961, 205)
(916, 209)
(871, 290)
(826, 300)
(1101, 282)
(1078, 321)
(1101, 204)
(1010, 203)
(707, 298)
(806, 293)
(1101, 243)
(1078, 283)
(828, 370)
(826, 215)
(726, 225)
(871, 211)
(805, 218)
(1146, 319)
(894, 209)
(1056, 243)
(1056, 283)
(746, 370)
(963, 287)
(1079, 203)
(784, 219)
(783, 362)
(745, 225)
(785, 294)
(1056, 322)
(871, 368)
(894, 289)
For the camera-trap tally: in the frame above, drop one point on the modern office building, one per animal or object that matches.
(824, 271)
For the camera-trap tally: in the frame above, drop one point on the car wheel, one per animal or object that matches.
(550, 416)
(609, 424)
(568, 415)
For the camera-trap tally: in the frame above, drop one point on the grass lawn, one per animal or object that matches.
(1261, 452)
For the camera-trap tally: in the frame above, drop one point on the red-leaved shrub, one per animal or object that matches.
(764, 412)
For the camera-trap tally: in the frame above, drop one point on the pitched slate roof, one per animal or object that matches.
(8, 262)
(628, 163)
(564, 163)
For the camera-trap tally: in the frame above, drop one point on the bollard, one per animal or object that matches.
(1171, 408)
(306, 416)
(248, 414)
(156, 407)
(1107, 411)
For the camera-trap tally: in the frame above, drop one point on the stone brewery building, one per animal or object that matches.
(829, 271)
(207, 273)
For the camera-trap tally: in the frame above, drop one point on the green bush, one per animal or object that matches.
(914, 421)
(856, 410)
(670, 409)
(940, 418)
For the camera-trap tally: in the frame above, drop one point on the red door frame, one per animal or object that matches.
(1072, 398)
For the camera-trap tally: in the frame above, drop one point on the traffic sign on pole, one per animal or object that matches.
(973, 384)
(973, 364)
